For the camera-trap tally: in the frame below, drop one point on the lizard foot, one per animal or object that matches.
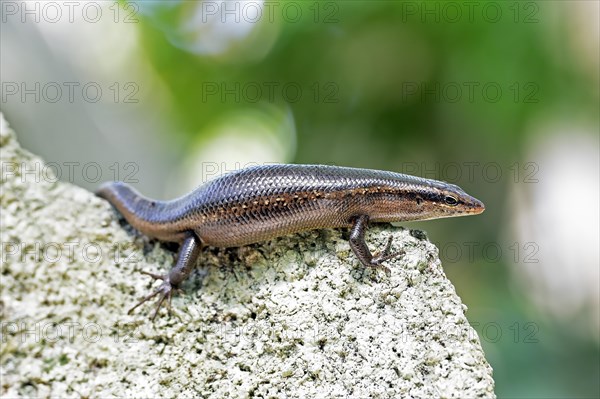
(165, 292)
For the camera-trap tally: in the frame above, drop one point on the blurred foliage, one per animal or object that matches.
(358, 64)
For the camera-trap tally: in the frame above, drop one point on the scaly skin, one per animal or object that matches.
(264, 202)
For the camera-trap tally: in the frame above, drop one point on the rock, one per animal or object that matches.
(296, 317)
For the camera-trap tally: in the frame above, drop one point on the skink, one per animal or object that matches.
(263, 202)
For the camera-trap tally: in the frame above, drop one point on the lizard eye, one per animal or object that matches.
(451, 200)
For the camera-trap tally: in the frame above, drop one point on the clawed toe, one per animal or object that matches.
(385, 255)
(165, 291)
(154, 276)
(382, 258)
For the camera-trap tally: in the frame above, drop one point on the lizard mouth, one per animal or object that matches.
(476, 207)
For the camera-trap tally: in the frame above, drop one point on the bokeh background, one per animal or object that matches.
(501, 98)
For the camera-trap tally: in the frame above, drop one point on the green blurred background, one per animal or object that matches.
(501, 98)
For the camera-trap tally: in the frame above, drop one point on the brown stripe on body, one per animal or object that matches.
(265, 217)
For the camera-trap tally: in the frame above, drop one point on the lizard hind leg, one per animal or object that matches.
(186, 260)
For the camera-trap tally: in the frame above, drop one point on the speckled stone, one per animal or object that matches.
(295, 317)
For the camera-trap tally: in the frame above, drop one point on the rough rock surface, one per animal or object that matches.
(296, 317)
